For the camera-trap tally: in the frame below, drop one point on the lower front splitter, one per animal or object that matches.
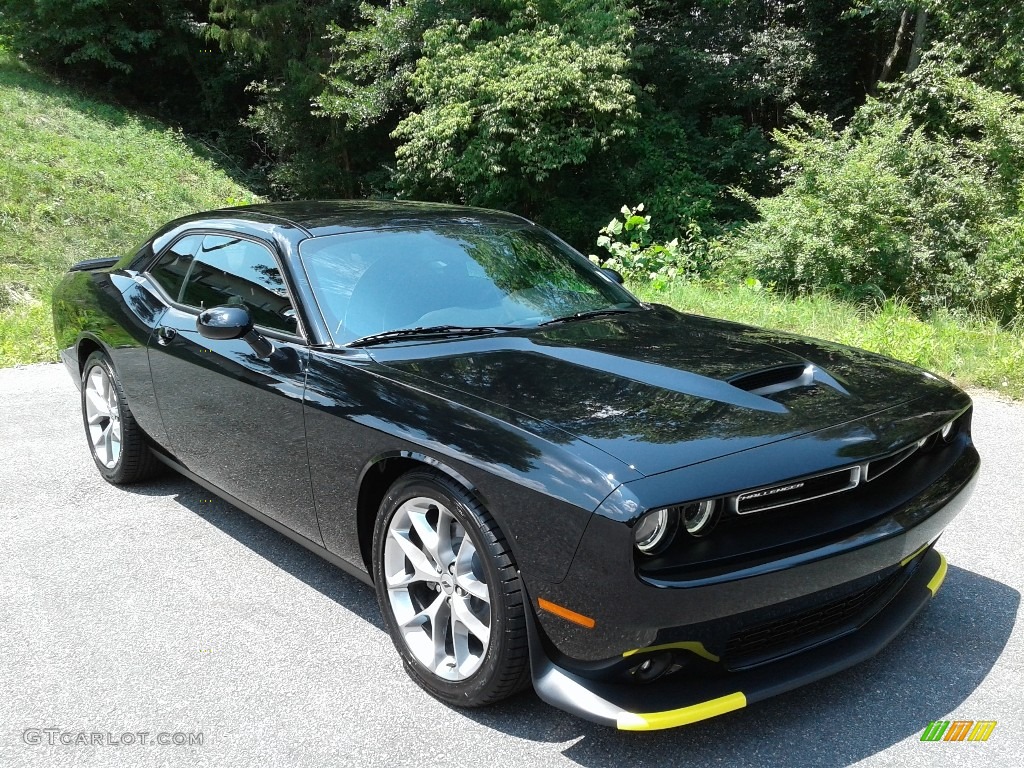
(675, 700)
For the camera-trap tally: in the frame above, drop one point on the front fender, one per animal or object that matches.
(540, 492)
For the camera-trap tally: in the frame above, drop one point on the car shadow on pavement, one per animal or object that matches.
(275, 547)
(923, 675)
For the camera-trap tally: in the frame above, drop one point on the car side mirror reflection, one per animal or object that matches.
(225, 323)
(614, 274)
(222, 323)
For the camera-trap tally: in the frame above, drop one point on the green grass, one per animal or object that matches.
(81, 179)
(972, 352)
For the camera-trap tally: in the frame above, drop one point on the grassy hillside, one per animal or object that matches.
(80, 179)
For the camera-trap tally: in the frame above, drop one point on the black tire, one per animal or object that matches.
(132, 460)
(495, 672)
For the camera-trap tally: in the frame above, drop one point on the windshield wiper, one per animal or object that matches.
(586, 314)
(429, 332)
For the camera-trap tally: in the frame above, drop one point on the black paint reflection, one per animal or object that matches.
(540, 492)
(236, 420)
(651, 387)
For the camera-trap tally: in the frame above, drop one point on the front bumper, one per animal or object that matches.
(630, 612)
(677, 699)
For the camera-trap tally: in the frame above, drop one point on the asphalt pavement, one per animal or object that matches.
(155, 625)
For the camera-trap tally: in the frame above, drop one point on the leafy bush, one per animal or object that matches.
(280, 48)
(507, 106)
(109, 35)
(637, 257)
(1001, 271)
(917, 198)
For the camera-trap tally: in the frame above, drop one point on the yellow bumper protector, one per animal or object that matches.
(686, 645)
(940, 575)
(654, 721)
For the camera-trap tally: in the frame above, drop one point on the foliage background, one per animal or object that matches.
(561, 110)
(864, 151)
(80, 179)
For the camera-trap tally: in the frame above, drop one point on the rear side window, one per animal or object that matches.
(204, 271)
(173, 267)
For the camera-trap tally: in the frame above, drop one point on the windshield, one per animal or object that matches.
(467, 276)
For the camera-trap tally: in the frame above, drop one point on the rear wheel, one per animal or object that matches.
(450, 592)
(116, 442)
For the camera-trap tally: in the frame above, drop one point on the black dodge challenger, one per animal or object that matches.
(653, 517)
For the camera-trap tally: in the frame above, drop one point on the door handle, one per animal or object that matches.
(165, 335)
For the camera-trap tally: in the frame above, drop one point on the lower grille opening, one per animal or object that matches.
(765, 642)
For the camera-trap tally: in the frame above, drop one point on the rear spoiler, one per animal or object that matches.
(91, 264)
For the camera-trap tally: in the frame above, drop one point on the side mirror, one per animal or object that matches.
(224, 323)
(614, 274)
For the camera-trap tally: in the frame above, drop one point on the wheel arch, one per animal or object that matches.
(85, 347)
(380, 473)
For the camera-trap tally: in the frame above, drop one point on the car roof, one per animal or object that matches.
(329, 217)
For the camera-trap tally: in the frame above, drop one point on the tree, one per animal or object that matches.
(491, 102)
(101, 36)
(504, 108)
(282, 47)
(985, 36)
(370, 74)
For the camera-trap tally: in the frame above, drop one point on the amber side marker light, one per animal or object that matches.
(565, 613)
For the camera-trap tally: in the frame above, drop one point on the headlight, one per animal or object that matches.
(651, 532)
(947, 431)
(699, 517)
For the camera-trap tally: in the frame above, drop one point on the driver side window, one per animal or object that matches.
(223, 270)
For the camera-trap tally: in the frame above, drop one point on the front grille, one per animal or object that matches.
(799, 490)
(879, 467)
(810, 627)
(796, 491)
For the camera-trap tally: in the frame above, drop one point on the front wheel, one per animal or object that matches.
(117, 443)
(450, 592)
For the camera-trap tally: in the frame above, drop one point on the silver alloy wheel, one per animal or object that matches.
(103, 417)
(437, 589)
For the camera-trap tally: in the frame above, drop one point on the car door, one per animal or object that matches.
(231, 417)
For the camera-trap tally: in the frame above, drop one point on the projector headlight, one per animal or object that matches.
(699, 517)
(655, 530)
(652, 532)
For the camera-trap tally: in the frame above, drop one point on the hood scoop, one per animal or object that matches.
(771, 381)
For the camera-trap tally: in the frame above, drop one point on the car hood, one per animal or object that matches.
(658, 389)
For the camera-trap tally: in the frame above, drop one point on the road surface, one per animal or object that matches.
(132, 615)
